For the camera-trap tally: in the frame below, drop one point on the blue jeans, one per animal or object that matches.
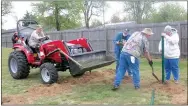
(172, 65)
(125, 64)
(117, 57)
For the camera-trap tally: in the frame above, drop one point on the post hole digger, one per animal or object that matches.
(154, 74)
(57, 55)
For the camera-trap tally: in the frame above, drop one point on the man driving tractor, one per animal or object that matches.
(36, 37)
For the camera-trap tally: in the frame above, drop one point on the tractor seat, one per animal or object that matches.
(26, 39)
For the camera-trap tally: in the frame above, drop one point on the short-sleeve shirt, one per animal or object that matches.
(119, 37)
(136, 45)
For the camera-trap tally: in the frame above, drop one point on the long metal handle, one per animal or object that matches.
(152, 69)
(70, 57)
(154, 74)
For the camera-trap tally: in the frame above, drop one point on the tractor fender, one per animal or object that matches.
(26, 51)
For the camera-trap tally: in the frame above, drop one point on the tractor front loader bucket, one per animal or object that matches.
(88, 61)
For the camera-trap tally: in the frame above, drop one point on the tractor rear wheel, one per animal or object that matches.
(18, 65)
(48, 73)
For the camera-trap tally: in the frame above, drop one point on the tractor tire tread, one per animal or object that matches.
(23, 67)
(53, 72)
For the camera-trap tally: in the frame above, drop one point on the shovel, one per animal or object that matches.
(154, 74)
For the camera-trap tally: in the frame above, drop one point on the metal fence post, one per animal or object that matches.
(163, 73)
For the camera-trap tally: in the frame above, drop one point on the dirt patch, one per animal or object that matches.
(14, 99)
(49, 90)
(180, 98)
(170, 88)
(177, 92)
(62, 86)
(35, 92)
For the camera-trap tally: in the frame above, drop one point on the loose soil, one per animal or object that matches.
(177, 92)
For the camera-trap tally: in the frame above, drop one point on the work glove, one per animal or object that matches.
(150, 63)
(163, 34)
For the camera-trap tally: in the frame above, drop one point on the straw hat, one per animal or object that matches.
(147, 31)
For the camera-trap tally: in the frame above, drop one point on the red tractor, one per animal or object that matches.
(57, 55)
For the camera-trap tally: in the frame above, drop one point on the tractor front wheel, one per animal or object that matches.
(48, 73)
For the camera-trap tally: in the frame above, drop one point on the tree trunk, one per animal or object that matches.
(139, 15)
(56, 17)
(87, 24)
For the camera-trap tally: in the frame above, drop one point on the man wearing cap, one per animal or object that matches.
(171, 52)
(119, 41)
(136, 45)
(36, 37)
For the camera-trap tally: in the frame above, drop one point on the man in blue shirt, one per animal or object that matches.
(119, 41)
(136, 46)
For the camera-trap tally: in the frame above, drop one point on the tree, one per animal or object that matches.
(139, 10)
(96, 23)
(92, 8)
(169, 12)
(115, 18)
(28, 16)
(6, 7)
(59, 14)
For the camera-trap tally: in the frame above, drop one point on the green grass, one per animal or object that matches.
(92, 93)
(11, 86)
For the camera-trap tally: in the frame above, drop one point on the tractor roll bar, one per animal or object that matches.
(26, 20)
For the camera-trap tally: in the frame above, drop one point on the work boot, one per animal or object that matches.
(38, 56)
(176, 82)
(137, 87)
(167, 82)
(115, 87)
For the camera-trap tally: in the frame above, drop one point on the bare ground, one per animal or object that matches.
(177, 92)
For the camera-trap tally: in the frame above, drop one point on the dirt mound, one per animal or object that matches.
(102, 76)
(87, 77)
(170, 88)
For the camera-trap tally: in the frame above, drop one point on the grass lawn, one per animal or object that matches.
(94, 88)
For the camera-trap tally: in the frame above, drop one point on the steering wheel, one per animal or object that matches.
(43, 39)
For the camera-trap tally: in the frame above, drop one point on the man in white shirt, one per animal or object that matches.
(171, 52)
(36, 37)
